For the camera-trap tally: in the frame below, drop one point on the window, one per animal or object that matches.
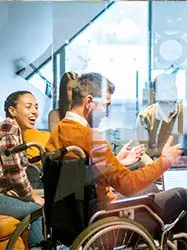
(116, 45)
(43, 78)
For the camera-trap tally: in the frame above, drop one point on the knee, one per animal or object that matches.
(32, 207)
(182, 193)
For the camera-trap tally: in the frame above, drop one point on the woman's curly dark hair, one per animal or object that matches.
(12, 100)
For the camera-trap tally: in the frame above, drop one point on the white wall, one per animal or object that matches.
(27, 29)
(70, 17)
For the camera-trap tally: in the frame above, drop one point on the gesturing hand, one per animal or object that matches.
(128, 145)
(125, 150)
(171, 153)
(129, 157)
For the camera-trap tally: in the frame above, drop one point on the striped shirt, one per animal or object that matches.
(13, 168)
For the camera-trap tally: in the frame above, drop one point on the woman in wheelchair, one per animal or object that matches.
(76, 128)
(17, 197)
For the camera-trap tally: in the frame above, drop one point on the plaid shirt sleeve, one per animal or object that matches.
(14, 167)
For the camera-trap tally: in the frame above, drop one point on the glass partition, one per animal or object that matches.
(130, 42)
(116, 45)
(169, 42)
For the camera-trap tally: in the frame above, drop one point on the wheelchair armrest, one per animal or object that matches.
(147, 200)
(121, 206)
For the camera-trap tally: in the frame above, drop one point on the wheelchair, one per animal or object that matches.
(14, 232)
(7, 225)
(72, 217)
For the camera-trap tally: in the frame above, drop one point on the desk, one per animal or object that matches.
(175, 177)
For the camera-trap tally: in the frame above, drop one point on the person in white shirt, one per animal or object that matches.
(163, 118)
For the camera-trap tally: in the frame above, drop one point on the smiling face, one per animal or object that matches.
(25, 111)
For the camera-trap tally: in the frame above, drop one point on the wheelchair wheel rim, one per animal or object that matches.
(98, 229)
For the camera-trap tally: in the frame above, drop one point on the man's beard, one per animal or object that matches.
(95, 118)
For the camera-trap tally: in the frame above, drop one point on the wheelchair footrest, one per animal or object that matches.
(168, 227)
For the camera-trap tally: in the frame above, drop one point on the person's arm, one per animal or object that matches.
(130, 156)
(14, 168)
(108, 168)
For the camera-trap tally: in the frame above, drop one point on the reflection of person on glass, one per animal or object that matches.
(110, 170)
(163, 118)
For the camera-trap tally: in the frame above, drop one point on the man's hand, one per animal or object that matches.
(125, 150)
(171, 153)
(128, 145)
(132, 155)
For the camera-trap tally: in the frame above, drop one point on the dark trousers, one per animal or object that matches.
(171, 203)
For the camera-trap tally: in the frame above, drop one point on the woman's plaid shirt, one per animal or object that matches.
(12, 168)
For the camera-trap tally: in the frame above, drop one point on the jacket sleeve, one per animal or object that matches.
(107, 167)
(14, 167)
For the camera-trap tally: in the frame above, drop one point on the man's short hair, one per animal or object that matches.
(93, 84)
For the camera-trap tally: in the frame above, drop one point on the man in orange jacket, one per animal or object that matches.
(88, 107)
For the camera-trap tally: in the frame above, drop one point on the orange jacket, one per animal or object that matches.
(107, 168)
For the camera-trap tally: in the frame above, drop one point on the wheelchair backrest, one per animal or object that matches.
(70, 197)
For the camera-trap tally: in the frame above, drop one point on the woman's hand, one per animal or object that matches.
(39, 200)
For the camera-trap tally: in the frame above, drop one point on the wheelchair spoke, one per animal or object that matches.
(137, 242)
(125, 240)
(129, 239)
(116, 237)
(106, 239)
(103, 246)
(115, 234)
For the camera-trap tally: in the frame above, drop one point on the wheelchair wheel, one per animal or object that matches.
(22, 228)
(114, 233)
(17, 232)
(181, 244)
